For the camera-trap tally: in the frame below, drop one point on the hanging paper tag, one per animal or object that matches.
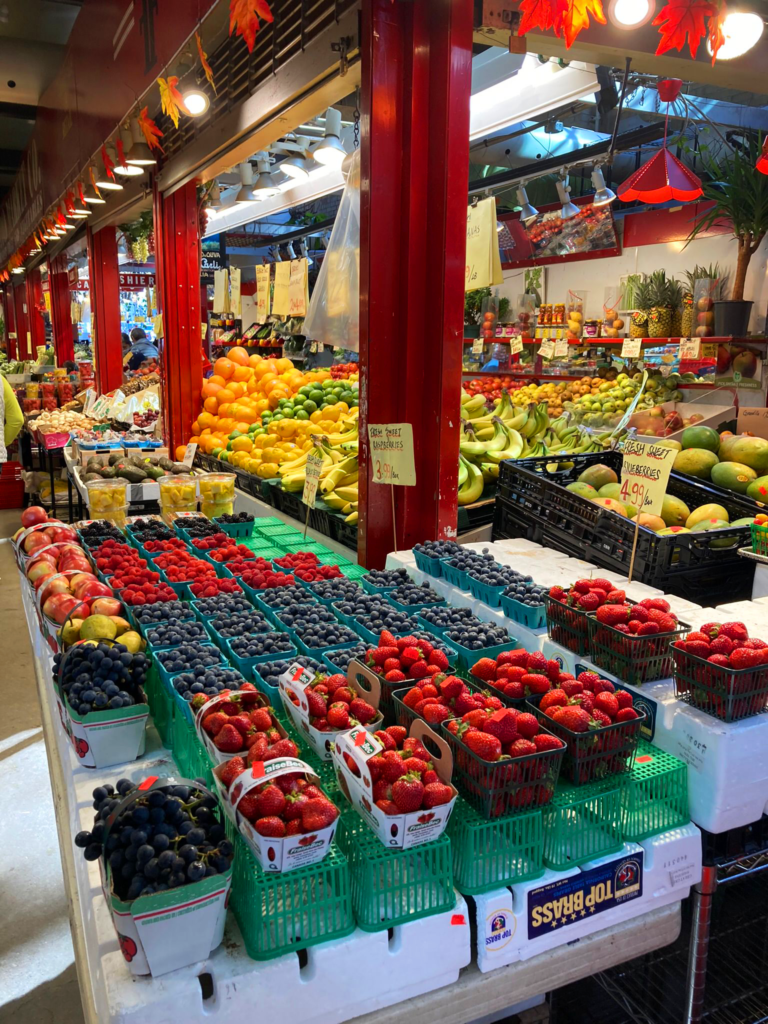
(631, 347)
(477, 347)
(515, 345)
(561, 348)
(689, 348)
(189, 454)
(547, 349)
(314, 465)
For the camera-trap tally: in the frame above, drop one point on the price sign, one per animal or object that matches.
(547, 348)
(631, 348)
(90, 401)
(515, 345)
(157, 325)
(297, 288)
(561, 348)
(392, 453)
(644, 475)
(477, 347)
(281, 305)
(189, 455)
(203, 331)
(689, 348)
(754, 420)
(262, 294)
(311, 480)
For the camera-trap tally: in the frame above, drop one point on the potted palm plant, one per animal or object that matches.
(740, 194)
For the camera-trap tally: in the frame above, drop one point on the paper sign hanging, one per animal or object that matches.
(689, 348)
(189, 454)
(477, 346)
(313, 466)
(157, 326)
(483, 262)
(547, 348)
(561, 348)
(221, 291)
(392, 453)
(645, 473)
(297, 287)
(234, 289)
(753, 419)
(281, 304)
(203, 331)
(630, 348)
(263, 304)
(515, 345)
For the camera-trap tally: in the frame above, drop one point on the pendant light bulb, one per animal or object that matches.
(603, 194)
(528, 213)
(196, 101)
(140, 153)
(329, 150)
(245, 193)
(265, 186)
(569, 209)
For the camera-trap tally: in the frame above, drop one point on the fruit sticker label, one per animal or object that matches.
(391, 447)
(568, 900)
(645, 473)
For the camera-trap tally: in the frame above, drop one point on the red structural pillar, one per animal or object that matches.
(22, 324)
(177, 257)
(12, 345)
(34, 316)
(105, 308)
(61, 310)
(416, 76)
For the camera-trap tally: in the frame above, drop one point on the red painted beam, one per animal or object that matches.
(177, 258)
(61, 310)
(416, 73)
(35, 317)
(9, 311)
(20, 305)
(105, 308)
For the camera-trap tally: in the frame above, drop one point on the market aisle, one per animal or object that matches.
(38, 983)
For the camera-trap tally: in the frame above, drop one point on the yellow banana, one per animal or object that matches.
(351, 518)
(347, 493)
(333, 501)
(337, 474)
(473, 487)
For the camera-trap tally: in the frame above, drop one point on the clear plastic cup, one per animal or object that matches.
(217, 488)
(178, 493)
(212, 509)
(108, 499)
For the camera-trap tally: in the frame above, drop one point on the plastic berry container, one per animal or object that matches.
(178, 493)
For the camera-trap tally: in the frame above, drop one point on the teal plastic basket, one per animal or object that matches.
(431, 566)
(531, 616)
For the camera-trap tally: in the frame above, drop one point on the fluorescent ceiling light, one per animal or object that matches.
(742, 31)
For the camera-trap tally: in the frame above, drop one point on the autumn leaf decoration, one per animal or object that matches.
(149, 130)
(69, 201)
(686, 20)
(244, 19)
(171, 98)
(109, 167)
(93, 182)
(80, 193)
(61, 220)
(541, 14)
(566, 17)
(204, 62)
(715, 32)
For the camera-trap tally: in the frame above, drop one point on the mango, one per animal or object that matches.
(650, 522)
(733, 476)
(674, 512)
(700, 437)
(758, 489)
(747, 451)
(612, 505)
(696, 462)
(598, 475)
(704, 512)
(585, 490)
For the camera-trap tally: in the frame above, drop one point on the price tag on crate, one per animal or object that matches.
(312, 479)
(392, 453)
(515, 345)
(631, 348)
(477, 347)
(645, 473)
(561, 348)
(547, 348)
(689, 348)
(189, 455)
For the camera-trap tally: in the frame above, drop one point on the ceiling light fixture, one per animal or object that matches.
(214, 196)
(742, 30)
(569, 209)
(528, 213)
(94, 200)
(103, 180)
(196, 101)
(245, 193)
(265, 186)
(304, 253)
(296, 165)
(18, 270)
(140, 155)
(603, 194)
(330, 150)
(627, 14)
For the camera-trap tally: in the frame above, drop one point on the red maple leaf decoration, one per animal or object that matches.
(244, 19)
(61, 220)
(540, 14)
(715, 33)
(109, 166)
(681, 19)
(120, 153)
(575, 16)
(69, 199)
(149, 130)
(80, 193)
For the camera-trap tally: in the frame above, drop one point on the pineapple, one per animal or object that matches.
(661, 299)
(686, 316)
(638, 324)
(676, 295)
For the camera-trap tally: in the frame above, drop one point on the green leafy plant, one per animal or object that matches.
(740, 195)
(473, 303)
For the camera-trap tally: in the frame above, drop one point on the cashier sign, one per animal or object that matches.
(644, 475)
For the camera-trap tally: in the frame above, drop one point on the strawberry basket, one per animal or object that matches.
(632, 658)
(729, 694)
(491, 854)
(654, 798)
(583, 823)
(507, 786)
(567, 626)
(598, 753)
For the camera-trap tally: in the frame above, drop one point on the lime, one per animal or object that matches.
(302, 414)
(317, 395)
(328, 383)
(338, 394)
(310, 406)
(277, 416)
(299, 399)
(215, 452)
(234, 434)
(305, 390)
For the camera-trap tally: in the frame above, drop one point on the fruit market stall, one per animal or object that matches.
(162, 645)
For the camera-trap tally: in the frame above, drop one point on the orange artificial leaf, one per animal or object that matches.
(715, 32)
(204, 62)
(171, 98)
(109, 167)
(120, 153)
(575, 16)
(681, 19)
(150, 131)
(69, 200)
(93, 182)
(540, 14)
(80, 193)
(244, 19)
(61, 218)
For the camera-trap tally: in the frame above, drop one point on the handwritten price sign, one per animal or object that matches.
(392, 453)
(645, 474)
(311, 479)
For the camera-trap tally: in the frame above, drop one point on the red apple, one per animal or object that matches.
(106, 606)
(80, 563)
(59, 606)
(39, 570)
(88, 591)
(33, 515)
(80, 577)
(47, 554)
(63, 535)
(35, 540)
(49, 587)
(68, 548)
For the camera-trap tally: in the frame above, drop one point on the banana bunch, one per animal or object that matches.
(339, 471)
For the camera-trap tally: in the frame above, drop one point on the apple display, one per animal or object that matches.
(59, 606)
(88, 591)
(106, 606)
(63, 535)
(40, 570)
(35, 540)
(57, 585)
(33, 515)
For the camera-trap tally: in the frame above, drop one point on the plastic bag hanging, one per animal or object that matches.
(334, 310)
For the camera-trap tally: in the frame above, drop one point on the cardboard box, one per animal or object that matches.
(274, 854)
(296, 680)
(250, 700)
(401, 831)
(713, 416)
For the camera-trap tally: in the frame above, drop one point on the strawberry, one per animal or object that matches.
(451, 687)
(623, 699)
(476, 718)
(553, 670)
(407, 792)
(589, 602)
(601, 718)
(711, 629)
(536, 662)
(720, 645)
(409, 656)
(426, 649)
(247, 806)
(585, 700)
(753, 642)
(557, 594)
(487, 747)
(667, 623)
(433, 670)
(616, 597)
(428, 689)
(385, 738)
(335, 681)
(338, 716)
(283, 748)
(534, 682)
(434, 713)
(215, 722)
(612, 614)
(511, 672)
(273, 828)
(502, 724)
(465, 701)
(589, 680)
(229, 740)
(379, 655)
(412, 697)
(527, 725)
(345, 694)
(418, 669)
(387, 639)
(293, 805)
(440, 659)
(198, 700)
(257, 747)
(514, 689)
(417, 765)
(607, 703)
(734, 631)
(231, 770)
(555, 697)
(601, 584)
(574, 718)
(435, 794)
(382, 790)
(639, 613)
(430, 776)
(484, 669)
(415, 748)
(293, 827)
(317, 814)
(270, 801)
(388, 807)
(261, 718)
(703, 637)
(397, 732)
(570, 687)
(406, 641)
(394, 676)
(362, 711)
(634, 625)
(519, 658)
(697, 648)
(391, 665)
(521, 748)
(545, 741)
(658, 603)
(744, 657)
(582, 586)
(719, 659)
(391, 766)
(626, 714)
(648, 628)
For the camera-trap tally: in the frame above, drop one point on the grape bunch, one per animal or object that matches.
(101, 677)
(169, 837)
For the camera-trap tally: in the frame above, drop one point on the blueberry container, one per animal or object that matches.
(532, 616)
(246, 664)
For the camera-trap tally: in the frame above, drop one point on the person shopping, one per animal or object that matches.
(141, 348)
(12, 416)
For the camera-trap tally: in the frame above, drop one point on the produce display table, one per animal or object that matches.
(389, 965)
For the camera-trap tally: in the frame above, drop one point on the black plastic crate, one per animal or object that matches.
(533, 502)
(346, 533)
(632, 658)
(726, 693)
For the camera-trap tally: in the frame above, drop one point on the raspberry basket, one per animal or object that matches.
(393, 886)
(596, 754)
(634, 659)
(654, 798)
(567, 626)
(239, 530)
(491, 854)
(500, 788)
(583, 823)
(729, 694)
(759, 539)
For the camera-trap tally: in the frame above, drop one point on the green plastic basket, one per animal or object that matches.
(264, 521)
(655, 794)
(283, 530)
(283, 912)
(759, 539)
(491, 854)
(352, 572)
(391, 887)
(323, 769)
(160, 704)
(189, 753)
(583, 822)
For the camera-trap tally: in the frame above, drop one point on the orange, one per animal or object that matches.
(252, 385)
(180, 449)
(211, 405)
(274, 399)
(194, 439)
(216, 379)
(238, 355)
(210, 389)
(242, 373)
(254, 360)
(224, 367)
(262, 405)
(226, 425)
(242, 426)
(226, 395)
(237, 389)
(196, 426)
